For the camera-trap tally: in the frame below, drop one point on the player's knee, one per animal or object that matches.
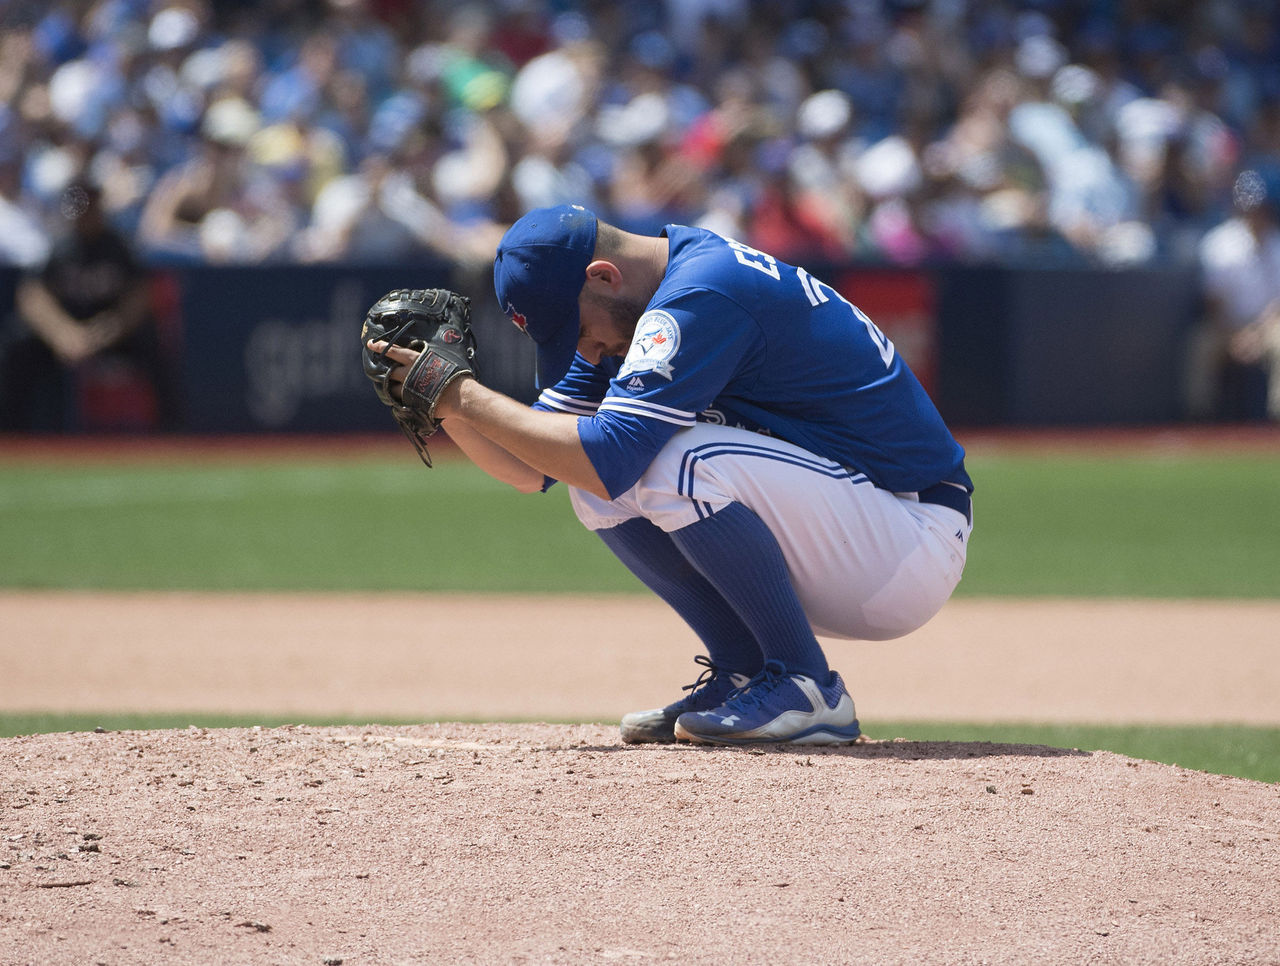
(674, 491)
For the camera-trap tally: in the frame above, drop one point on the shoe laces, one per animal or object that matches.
(755, 691)
(710, 673)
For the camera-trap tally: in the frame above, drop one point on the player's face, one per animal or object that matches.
(606, 326)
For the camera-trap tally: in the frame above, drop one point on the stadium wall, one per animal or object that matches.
(275, 349)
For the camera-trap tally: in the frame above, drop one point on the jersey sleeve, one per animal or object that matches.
(578, 393)
(685, 351)
(581, 389)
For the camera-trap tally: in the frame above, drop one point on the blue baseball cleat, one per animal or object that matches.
(709, 691)
(777, 706)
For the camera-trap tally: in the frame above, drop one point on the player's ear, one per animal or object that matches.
(603, 277)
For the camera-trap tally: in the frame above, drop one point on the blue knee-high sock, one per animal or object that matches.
(738, 553)
(650, 554)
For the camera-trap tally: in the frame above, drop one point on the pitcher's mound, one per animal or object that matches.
(549, 843)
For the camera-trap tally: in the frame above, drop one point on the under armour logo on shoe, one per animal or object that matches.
(730, 721)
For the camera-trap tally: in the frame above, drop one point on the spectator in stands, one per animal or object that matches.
(365, 44)
(298, 89)
(735, 144)
(1090, 196)
(959, 111)
(23, 240)
(379, 215)
(822, 167)
(650, 183)
(219, 207)
(1234, 363)
(372, 215)
(790, 220)
(89, 301)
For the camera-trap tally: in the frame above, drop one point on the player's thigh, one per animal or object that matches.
(866, 564)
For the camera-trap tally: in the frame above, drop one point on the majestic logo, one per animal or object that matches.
(635, 384)
(519, 320)
(656, 342)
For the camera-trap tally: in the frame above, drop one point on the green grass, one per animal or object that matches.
(1149, 526)
(1191, 525)
(359, 525)
(1244, 752)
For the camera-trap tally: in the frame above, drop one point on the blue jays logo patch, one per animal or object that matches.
(520, 321)
(655, 344)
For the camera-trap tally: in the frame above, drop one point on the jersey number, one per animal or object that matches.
(815, 290)
(756, 259)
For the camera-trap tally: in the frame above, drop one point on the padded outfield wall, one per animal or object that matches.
(275, 349)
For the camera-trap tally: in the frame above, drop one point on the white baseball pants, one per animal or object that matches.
(866, 564)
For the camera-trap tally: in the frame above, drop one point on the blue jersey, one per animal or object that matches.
(735, 336)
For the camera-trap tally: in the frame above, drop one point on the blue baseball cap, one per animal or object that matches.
(538, 274)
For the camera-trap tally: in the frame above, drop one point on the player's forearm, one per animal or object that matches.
(492, 458)
(41, 310)
(547, 442)
(47, 319)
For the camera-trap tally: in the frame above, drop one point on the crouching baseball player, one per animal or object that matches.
(744, 439)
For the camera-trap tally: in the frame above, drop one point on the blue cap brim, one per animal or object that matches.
(555, 356)
(538, 274)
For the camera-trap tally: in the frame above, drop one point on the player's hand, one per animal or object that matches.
(403, 358)
(1249, 345)
(414, 344)
(72, 345)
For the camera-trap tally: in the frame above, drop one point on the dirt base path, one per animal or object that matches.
(555, 844)
(593, 659)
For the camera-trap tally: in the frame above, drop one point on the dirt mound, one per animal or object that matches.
(542, 843)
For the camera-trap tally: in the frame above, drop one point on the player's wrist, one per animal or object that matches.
(451, 401)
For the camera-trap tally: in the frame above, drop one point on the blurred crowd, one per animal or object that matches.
(1109, 131)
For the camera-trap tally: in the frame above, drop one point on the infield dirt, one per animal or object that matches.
(506, 843)
(476, 657)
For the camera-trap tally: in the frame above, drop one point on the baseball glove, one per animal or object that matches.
(434, 322)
